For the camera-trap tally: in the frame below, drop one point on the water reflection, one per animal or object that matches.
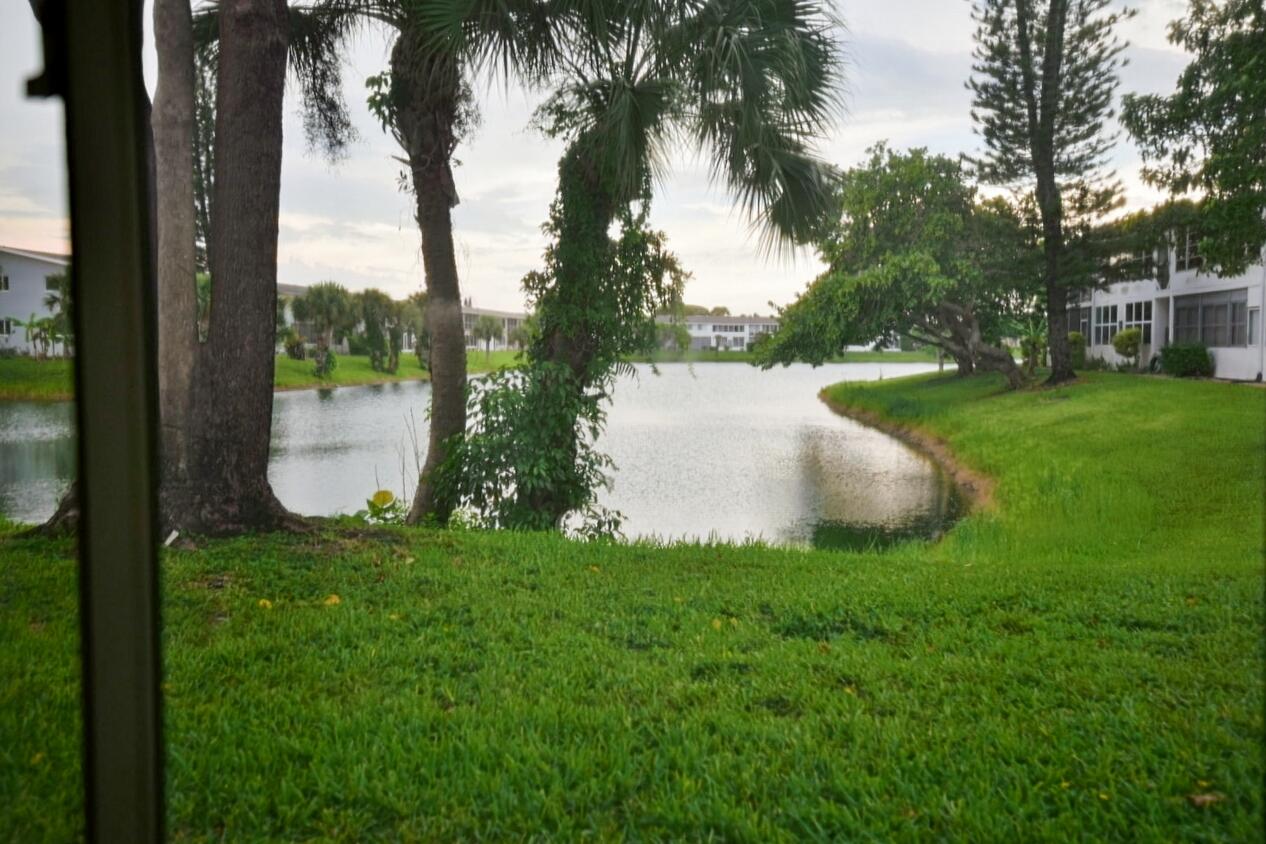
(711, 451)
(37, 457)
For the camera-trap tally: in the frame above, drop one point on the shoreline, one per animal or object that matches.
(976, 487)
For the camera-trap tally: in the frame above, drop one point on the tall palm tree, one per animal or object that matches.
(750, 83)
(425, 103)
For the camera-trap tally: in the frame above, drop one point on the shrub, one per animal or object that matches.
(357, 344)
(1094, 364)
(1077, 349)
(294, 345)
(1127, 343)
(1186, 361)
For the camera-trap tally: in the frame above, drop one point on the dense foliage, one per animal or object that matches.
(528, 457)
(912, 253)
(328, 309)
(1186, 361)
(1209, 136)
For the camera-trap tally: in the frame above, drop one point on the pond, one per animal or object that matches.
(709, 451)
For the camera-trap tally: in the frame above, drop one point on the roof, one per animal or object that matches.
(37, 255)
(492, 312)
(741, 319)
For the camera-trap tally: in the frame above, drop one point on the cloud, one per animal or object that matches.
(350, 221)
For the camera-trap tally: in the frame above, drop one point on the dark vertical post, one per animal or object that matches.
(93, 59)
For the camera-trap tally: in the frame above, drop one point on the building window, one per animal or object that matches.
(50, 283)
(1214, 319)
(1187, 257)
(6, 324)
(4, 281)
(1254, 326)
(1105, 324)
(1139, 315)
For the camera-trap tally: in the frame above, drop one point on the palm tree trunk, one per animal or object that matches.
(588, 210)
(172, 122)
(426, 111)
(234, 368)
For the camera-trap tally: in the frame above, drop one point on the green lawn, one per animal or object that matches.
(1081, 662)
(25, 378)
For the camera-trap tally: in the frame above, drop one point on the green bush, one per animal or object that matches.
(294, 345)
(1186, 361)
(358, 344)
(1127, 343)
(1077, 349)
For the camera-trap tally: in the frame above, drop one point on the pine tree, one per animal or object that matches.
(1043, 81)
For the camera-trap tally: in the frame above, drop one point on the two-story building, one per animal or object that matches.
(1195, 306)
(509, 322)
(24, 283)
(732, 333)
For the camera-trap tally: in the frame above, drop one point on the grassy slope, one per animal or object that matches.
(1073, 664)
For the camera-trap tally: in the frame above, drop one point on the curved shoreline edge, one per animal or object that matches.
(976, 487)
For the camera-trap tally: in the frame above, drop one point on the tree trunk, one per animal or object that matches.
(230, 492)
(568, 328)
(172, 124)
(426, 98)
(1042, 106)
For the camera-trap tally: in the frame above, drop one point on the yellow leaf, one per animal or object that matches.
(594, 568)
(37, 758)
(265, 604)
(1065, 784)
(1103, 795)
(333, 601)
(383, 497)
(716, 624)
(395, 616)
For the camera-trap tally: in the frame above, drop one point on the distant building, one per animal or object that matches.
(1195, 306)
(23, 284)
(726, 333)
(510, 320)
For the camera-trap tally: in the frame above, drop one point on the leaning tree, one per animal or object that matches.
(912, 252)
(1042, 85)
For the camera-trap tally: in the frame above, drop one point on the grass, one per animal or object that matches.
(27, 379)
(1083, 661)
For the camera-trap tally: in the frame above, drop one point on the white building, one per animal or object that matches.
(1224, 314)
(23, 284)
(510, 320)
(733, 333)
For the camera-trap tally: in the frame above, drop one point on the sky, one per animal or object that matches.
(907, 62)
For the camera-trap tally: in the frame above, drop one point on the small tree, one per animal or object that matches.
(327, 307)
(1127, 344)
(58, 300)
(486, 330)
(379, 315)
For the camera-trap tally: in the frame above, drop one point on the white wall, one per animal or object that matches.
(25, 295)
(1232, 362)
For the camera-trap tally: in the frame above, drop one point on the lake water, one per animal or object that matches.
(707, 451)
